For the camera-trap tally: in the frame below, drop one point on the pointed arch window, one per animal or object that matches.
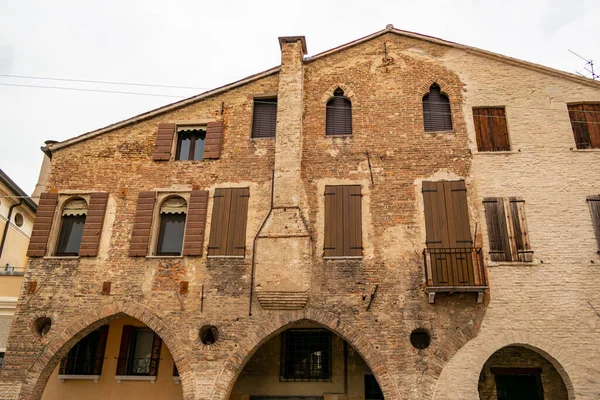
(71, 229)
(172, 226)
(339, 114)
(436, 110)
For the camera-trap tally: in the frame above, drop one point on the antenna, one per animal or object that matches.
(589, 63)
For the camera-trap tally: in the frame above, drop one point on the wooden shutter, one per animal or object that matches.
(585, 121)
(155, 356)
(594, 202)
(491, 130)
(519, 230)
(99, 356)
(343, 221)
(500, 249)
(92, 230)
(436, 225)
(338, 116)
(142, 224)
(43, 223)
(436, 111)
(122, 362)
(264, 118)
(214, 140)
(195, 223)
(164, 142)
(228, 225)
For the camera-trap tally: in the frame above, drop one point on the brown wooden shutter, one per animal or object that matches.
(436, 111)
(343, 221)
(435, 215)
(491, 130)
(585, 121)
(338, 116)
(497, 230)
(43, 223)
(214, 140)
(92, 229)
(164, 142)
(333, 221)
(264, 118)
(228, 225)
(594, 202)
(592, 118)
(519, 226)
(353, 214)
(142, 224)
(155, 356)
(123, 360)
(195, 223)
(99, 356)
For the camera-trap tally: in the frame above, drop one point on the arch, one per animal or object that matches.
(460, 375)
(273, 324)
(59, 342)
(338, 118)
(73, 214)
(348, 92)
(171, 221)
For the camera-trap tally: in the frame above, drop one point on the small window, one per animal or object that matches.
(491, 129)
(306, 354)
(585, 121)
(87, 356)
(594, 203)
(71, 229)
(518, 383)
(19, 219)
(372, 389)
(172, 226)
(339, 114)
(507, 229)
(436, 110)
(1, 359)
(264, 118)
(190, 143)
(139, 352)
(343, 221)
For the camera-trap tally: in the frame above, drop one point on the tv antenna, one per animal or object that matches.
(588, 63)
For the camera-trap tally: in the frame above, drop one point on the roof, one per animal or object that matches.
(389, 29)
(13, 187)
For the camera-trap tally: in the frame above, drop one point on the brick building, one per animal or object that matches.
(400, 217)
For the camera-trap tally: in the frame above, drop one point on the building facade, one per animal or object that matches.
(400, 217)
(17, 213)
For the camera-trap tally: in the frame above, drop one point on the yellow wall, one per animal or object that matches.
(10, 286)
(260, 376)
(107, 387)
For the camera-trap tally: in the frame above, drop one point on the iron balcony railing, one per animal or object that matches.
(79, 366)
(137, 366)
(454, 267)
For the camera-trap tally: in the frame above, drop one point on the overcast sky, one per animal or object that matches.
(206, 44)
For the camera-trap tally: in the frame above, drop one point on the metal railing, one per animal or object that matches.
(137, 366)
(79, 366)
(456, 267)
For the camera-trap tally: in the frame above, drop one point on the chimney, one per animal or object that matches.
(40, 187)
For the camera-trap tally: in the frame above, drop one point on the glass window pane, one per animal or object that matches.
(142, 351)
(199, 148)
(184, 147)
(71, 232)
(170, 237)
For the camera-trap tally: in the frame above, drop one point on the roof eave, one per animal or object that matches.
(13, 187)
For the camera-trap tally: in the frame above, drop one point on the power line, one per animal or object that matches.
(93, 90)
(102, 82)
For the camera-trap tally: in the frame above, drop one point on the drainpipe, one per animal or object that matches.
(10, 210)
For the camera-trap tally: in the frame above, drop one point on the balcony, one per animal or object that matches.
(80, 368)
(454, 270)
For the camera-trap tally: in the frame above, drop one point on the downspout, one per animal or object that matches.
(7, 225)
(254, 244)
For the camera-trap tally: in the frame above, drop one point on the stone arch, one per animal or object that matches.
(460, 375)
(348, 92)
(445, 89)
(60, 342)
(274, 324)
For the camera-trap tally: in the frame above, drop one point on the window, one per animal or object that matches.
(343, 221)
(19, 219)
(339, 114)
(228, 226)
(507, 229)
(1, 359)
(518, 383)
(491, 129)
(306, 354)
(71, 229)
(585, 121)
(436, 110)
(594, 202)
(264, 118)
(87, 356)
(190, 143)
(372, 389)
(139, 353)
(172, 226)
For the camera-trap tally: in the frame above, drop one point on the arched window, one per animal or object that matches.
(436, 110)
(339, 114)
(172, 224)
(71, 227)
